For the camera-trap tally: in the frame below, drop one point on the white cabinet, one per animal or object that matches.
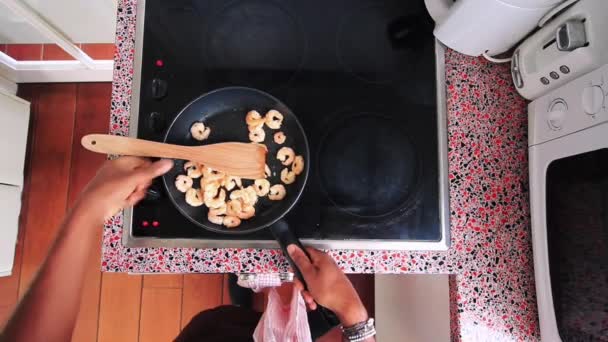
(412, 307)
(10, 197)
(14, 121)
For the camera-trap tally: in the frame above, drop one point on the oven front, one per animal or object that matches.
(569, 209)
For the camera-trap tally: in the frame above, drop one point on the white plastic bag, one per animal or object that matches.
(283, 323)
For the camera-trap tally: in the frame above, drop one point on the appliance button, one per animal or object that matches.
(557, 114)
(554, 75)
(564, 69)
(159, 88)
(593, 100)
(544, 80)
(157, 122)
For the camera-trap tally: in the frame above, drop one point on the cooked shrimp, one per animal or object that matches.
(279, 138)
(252, 195)
(230, 182)
(194, 197)
(274, 119)
(183, 183)
(254, 120)
(286, 155)
(240, 210)
(287, 176)
(217, 215)
(247, 212)
(199, 131)
(234, 207)
(211, 175)
(216, 200)
(231, 221)
(193, 169)
(246, 195)
(261, 187)
(298, 165)
(221, 210)
(277, 192)
(257, 135)
(210, 188)
(240, 195)
(205, 182)
(217, 219)
(267, 171)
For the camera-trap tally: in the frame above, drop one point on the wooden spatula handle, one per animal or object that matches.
(235, 158)
(112, 144)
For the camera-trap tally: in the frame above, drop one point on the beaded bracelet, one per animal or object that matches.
(359, 332)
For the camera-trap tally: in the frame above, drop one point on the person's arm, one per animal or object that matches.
(49, 309)
(328, 286)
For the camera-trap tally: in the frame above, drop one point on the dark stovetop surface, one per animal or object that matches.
(360, 76)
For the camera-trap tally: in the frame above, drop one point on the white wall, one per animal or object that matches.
(412, 308)
(82, 21)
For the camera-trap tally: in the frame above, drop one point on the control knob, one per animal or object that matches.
(557, 114)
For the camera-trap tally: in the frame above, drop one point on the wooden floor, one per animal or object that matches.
(115, 307)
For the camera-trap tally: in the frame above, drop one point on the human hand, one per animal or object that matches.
(327, 285)
(120, 183)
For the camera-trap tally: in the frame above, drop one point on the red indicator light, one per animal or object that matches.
(155, 223)
(159, 63)
(145, 223)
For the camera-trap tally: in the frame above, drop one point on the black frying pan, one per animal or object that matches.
(224, 111)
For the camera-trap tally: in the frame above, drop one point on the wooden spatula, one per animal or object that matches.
(234, 158)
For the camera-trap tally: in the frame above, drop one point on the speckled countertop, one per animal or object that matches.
(492, 287)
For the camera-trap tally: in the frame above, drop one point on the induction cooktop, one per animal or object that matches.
(365, 79)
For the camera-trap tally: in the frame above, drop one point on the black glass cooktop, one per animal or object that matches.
(360, 76)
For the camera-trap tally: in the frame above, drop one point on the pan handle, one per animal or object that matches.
(285, 237)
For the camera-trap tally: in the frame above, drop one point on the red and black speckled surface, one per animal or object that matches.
(492, 287)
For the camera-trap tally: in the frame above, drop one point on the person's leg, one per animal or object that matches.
(224, 323)
(234, 322)
(237, 322)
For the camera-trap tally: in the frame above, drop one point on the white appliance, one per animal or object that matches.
(14, 122)
(568, 156)
(474, 27)
(570, 45)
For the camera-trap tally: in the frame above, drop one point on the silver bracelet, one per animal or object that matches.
(359, 332)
